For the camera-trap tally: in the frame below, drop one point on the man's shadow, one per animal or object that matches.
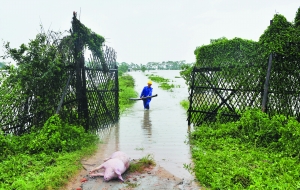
(146, 123)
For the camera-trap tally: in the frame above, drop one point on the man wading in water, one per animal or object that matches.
(147, 91)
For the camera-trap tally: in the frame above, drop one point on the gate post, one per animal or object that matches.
(191, 95)
(117, 94)
(80, 74)
(266, 86)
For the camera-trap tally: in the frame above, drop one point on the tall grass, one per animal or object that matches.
(126, 85)
(46, 158)
(256, 152)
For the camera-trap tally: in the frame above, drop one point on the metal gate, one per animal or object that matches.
(223, 93)
(82, 91)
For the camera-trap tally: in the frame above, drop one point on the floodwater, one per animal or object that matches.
(161, 132)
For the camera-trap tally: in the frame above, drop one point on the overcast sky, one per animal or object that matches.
(143, 31)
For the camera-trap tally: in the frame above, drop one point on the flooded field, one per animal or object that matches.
(161, 132)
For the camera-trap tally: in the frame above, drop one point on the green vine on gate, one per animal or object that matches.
(281, 39)
(88, 38)
(224, 52)
(33, 88)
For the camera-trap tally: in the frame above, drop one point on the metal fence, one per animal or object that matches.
(83, 92)
(96, 101)
(225, 92)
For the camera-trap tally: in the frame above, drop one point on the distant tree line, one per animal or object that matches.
(165, 65)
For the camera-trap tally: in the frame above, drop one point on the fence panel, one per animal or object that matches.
(226, 90)
(231, 90)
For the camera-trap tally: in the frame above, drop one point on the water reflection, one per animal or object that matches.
(160, 131)
(146, 123)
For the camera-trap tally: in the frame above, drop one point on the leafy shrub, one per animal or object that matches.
(290, 138)
(255, 152)
(6, 145)
(56, 136)
(45, 158)
(122, 68)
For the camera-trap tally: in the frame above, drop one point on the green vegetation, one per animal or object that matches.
(165, 65)
(122, 68)
(185, 104)
(280, 37)
(163, 83)
(185, 73)
(126, 85)
(139, 148)
(47, 155)
(39, 66)
(143, 68)
(131, 185)
(46, 158)
(224, 52)
(36, 84)
(166, 86)
(141, 164)
(241, 65)
(157, 79)
(256, 152)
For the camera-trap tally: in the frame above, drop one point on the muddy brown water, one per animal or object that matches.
(161, 132)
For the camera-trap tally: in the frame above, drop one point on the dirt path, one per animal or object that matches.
(160, 132)
(153, 179)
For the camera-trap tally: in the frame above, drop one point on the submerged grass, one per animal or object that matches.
(158, 79)
(163, 83)
(131, 185)
(141, 164)
(185, 104)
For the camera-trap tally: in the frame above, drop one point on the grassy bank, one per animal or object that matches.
(48, 158)
(256, 152)
(45, 158)
(126, 83)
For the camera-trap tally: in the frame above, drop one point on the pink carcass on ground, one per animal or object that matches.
(114, 166)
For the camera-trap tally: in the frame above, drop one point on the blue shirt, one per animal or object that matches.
(147, 91)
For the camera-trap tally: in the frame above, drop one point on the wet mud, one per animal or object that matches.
(161, 132)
